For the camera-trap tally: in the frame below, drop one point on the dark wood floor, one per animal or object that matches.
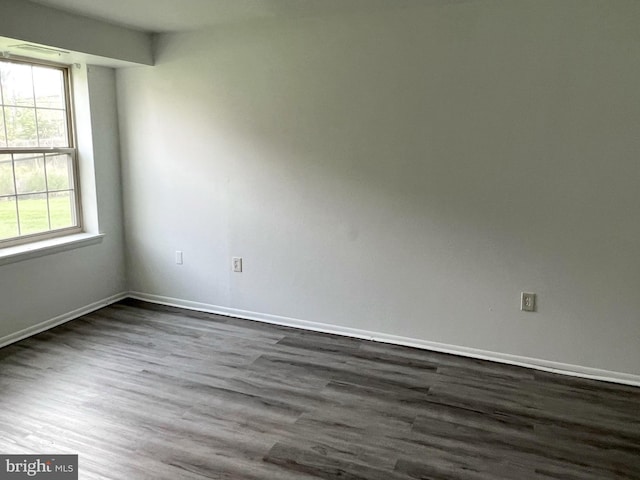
(147, 392)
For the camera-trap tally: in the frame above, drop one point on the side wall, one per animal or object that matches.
(40, 289)
(406, 172)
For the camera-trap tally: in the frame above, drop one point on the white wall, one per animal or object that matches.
(37, 290)
(405, 172)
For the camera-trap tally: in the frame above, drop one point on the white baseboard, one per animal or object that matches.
(538, 364)
(60, 319)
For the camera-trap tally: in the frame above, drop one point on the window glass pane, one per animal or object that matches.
(8, 218)
(59, 172)
(3, 138)
(62, 211)
(48, 84)
(52, 128)
(17, 84)
(30, 175)
(21, 127)
(6, 176)
(34, 213)
(37, 190)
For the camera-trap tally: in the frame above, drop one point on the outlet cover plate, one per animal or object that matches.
(236, 264)
(528, 302)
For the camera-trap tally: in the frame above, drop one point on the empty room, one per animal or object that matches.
(320, 239)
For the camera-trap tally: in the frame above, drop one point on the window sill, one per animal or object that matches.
(48, 247)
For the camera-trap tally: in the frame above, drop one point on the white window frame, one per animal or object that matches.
(71, 150)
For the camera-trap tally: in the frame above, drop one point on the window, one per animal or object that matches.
(38, 180)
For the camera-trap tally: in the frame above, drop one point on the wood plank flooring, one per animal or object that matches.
(141, 391)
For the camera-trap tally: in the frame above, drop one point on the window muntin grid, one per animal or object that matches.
(38, 181)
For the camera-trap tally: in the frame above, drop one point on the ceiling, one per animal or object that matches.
(181, 15)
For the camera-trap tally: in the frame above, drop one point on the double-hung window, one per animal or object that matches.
(39, 195)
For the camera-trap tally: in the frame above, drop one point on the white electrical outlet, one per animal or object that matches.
(236, 264)
(178, 257)
(528, 302)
